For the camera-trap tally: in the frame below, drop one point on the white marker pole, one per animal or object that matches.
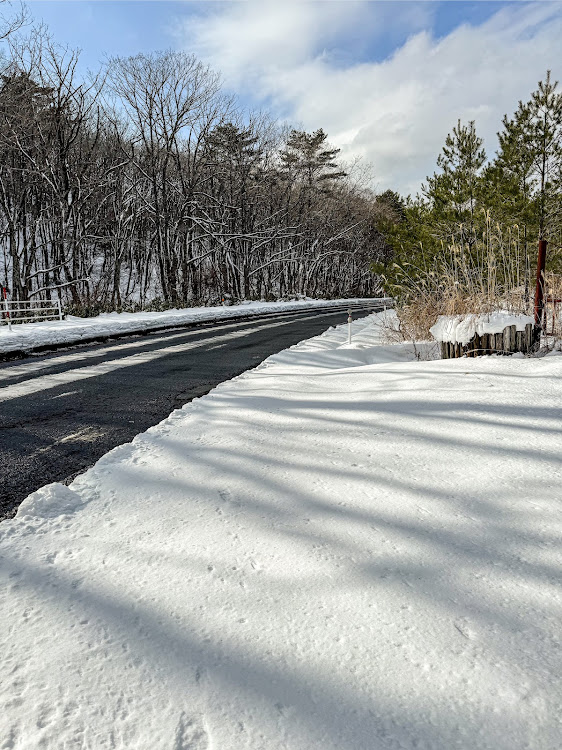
(349, 319)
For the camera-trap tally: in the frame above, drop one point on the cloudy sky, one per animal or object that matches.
(386, 80)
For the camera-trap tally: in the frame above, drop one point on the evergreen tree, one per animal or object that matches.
(392, 207)
(508, 181)
(543, 129)
(523, 186)
(508, 186)
(453, 192)
(25, 108)
(307, 158)
(235, 155)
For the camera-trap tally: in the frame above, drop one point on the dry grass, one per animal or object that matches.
(553, 287)
(553, 311)
(493, 275)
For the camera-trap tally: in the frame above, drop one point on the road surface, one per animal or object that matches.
(60, 412)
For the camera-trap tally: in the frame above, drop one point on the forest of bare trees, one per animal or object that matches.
(145, 186)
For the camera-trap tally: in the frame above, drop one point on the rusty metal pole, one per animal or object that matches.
(539, 292)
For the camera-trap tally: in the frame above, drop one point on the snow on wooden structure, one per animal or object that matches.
(490, 333)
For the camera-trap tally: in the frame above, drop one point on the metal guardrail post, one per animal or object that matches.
(6, 308)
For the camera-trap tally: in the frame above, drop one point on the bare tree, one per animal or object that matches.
(164, 96)
(144, 186)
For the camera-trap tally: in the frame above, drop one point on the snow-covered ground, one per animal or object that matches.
(343, 549)
(72, 330)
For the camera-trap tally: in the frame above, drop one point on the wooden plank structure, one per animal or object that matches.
(510, 340)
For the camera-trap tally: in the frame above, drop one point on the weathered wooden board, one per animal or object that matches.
(510, 340)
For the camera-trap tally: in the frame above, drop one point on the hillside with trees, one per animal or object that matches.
(146, 187)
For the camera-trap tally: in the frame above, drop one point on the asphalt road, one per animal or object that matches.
(60, 412)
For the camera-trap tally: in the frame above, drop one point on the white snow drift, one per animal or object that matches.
(341, 549)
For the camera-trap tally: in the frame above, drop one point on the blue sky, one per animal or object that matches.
(386, 80)
(125, 27)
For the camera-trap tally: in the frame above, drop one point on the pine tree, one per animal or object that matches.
(235, 156)
(453, 192)
(543, 130)
(307, 158)
(392, 207)
(25, 109)
(508, 181)
(523, 186)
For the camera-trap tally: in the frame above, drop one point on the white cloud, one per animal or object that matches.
(395, 113)
(246, 39)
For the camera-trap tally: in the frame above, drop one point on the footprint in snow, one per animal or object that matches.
(465, 629)
(201, 677)
(191, 734)
(227, 497)
(255, 565)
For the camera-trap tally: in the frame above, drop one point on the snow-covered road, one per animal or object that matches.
(61, 412)
(36, 383)
(343, 549)
(28, 337)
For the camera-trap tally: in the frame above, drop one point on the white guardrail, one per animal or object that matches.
(20, 311)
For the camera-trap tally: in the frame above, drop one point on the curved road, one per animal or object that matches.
(60, 412)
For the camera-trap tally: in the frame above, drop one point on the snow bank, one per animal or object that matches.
(460, 329)
(50, 501)
(343, 548)
(27, 336)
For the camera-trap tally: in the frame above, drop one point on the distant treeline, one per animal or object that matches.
(145, 186)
